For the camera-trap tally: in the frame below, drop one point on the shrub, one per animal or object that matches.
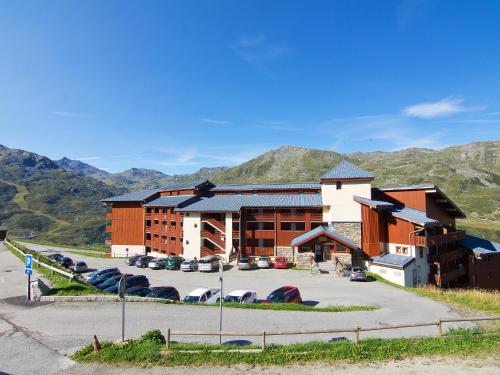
(154, 336)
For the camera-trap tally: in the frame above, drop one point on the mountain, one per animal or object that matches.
(37, 195)
(469, 174)
(83, 169)
(58, 200)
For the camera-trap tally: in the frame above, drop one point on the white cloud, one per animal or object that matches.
(214, 121)
(442, 108)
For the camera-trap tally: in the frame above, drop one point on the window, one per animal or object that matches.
(403, 250)
(148, 223)
(236, 225)
(157, 222)
(195, 225)
(172, 238)
(339, 185)
(298, 226)
(164, 210)
(155, 235)
(421, 252)
(187, 242)
(148, 236)
(157, 210)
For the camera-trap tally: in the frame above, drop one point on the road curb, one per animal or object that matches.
(98, 298)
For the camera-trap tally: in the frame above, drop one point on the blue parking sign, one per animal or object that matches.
(28, 265)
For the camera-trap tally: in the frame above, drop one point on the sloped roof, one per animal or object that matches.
(346, 170)
(233, 203)
(393, 260)
(372, 202)
(412, 215)
(142, 195)
(172, 201)
(408, 187)
(277, 186)
(323, 230)
(480, 246)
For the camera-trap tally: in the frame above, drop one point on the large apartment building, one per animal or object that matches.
(407, 234)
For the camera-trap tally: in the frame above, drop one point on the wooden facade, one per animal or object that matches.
(126, 223)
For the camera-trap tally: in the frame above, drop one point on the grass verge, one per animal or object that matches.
(485, 301)
(60, 285)
(298, 307)
(102, 248)
(140, 352)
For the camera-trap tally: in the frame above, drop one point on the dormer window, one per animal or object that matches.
(339, 185)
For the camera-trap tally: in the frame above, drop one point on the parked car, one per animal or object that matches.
(80, 267)
(245, 264)
(130, 282)
(157, 263)
(143, 261)
(67, 262)
(203, 295)
(357, 274)
(280, 262)
(56, 257)
(285, 294)
(100, 272)
(139, 291)
(164, 292)
(189, 266)
(110, 281)
(130, 261)
(264, 262)
(241, 296)
(174, 263)
(103, 277)
(208, 264)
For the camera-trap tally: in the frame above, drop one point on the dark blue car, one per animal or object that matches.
(110, 281)
(96, 280)
(139, 291)
(100, 272)
(131, 281)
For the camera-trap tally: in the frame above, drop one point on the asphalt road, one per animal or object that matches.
(52, 330)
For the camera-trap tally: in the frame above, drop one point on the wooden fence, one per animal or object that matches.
(42, 264)
(354, 330)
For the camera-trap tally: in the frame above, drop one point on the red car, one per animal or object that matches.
(280, 262)
(285, 294)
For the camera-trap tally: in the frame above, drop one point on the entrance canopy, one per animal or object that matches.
(324, 233)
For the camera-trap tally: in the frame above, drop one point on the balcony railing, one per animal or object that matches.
(449, 256)
(439, 239)
(452, 275)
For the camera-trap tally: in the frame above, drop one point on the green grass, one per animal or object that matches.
(60, 285)
(484, 301)
(101, 248)
(298, 307)
(465, 343)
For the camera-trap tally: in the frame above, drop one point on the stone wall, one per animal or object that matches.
(303, 260)
(285, 252)
(350, 230)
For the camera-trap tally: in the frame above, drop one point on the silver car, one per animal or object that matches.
(157, 263)
(245, 264)
(264, 262)
(189, 266)
(357, 274)
(79, 267)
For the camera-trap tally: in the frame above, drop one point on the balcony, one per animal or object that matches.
(449, 256)
(214, 238)
(256, 216)
(439, 239)
(109, 228)
(452, 275)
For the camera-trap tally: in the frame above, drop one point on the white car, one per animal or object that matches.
(264, 262)
(241, 296)
(203, 295)
(189, 266)
(208, 264)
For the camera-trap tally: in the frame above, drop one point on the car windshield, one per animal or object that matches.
(357, 269)
(186, 263)
(263, 259)
(280, 260)
(205, 260)
(192, 299)
(232, 299)
(244, 260)
(158, 292)
(277, 295)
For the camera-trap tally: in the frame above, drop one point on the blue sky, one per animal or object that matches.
(177, 85)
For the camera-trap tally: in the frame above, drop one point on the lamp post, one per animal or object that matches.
(221, 280)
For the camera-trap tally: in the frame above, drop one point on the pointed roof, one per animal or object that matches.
(346, 170)
(324, 230)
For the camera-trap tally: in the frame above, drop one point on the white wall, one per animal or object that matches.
(121, 250)
(393, 275)
(421, 264)
(341, 206)
(192, 235)
(229, 234)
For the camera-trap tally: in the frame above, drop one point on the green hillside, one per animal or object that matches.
(61, 203)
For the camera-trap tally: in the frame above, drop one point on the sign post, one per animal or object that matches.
(221, 280)
(28, 270)
(121, 292)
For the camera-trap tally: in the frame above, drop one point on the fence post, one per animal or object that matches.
(168, 339)
(263, 340)
(356, 335)
(440, 327)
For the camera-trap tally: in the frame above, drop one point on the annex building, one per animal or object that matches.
(407, 234)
